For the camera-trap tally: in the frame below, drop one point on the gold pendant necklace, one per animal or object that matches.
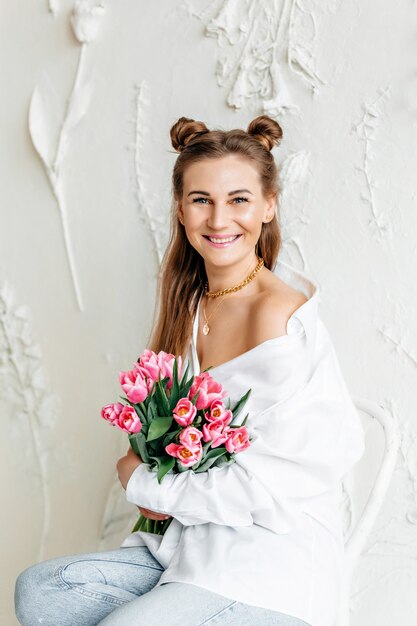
(206, 327)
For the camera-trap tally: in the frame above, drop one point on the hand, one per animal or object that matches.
(126, 465)
(152, 514)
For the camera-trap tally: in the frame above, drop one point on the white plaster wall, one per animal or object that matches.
(76, 307)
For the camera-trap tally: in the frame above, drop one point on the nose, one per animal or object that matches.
(218, 216)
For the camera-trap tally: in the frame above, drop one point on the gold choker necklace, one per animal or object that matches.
(221, 292)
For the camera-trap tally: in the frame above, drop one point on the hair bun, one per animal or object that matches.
(185, 130)
(266, 130)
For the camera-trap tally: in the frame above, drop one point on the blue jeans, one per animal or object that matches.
(116, 588)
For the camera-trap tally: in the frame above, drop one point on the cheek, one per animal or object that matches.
(249, 217)
(193, 219)
(190, 228)
(193, 224)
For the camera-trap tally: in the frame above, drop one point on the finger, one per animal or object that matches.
(155, 516)
(152, 514)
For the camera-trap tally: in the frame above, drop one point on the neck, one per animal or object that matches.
(231, 275)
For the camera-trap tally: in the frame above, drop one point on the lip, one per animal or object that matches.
(223, 236)
(222, 245)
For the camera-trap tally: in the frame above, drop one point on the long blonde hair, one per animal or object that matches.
(182, 272)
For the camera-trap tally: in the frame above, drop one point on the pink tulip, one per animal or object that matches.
(158, 366)
(214, 432)
(129, 421)
(149, 363)
(134, 385)
(185, 456)
(184, 412)
(111, 412)
(209, 390)
(190, 437)
(217, 410)
(166, 365)
(237, 439)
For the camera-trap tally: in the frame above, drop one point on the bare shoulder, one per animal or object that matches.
(272, 310)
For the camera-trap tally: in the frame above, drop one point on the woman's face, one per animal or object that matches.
(223, 198)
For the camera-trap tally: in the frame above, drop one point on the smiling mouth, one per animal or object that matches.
(221, 239)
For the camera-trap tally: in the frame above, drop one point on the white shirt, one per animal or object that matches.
(266, 530)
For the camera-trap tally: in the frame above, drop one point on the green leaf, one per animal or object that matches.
(138, 440)
(154, 447)
(162, 400)
(205, 448)
(195, 397)
(175, 384)
(173, 399)
(240, 404)
(143, 448)
(181, 468)
(184, 376)
(223, 460)
(210, 458)
(139, 408)
(170, 438)
(165, 464)
(197, 420)
(158, 427)
(184, 390)
(163, 382)
(133, 443)
(215, 452)
(152, 411)
(240, 425)
(244, 421)
(175, 389)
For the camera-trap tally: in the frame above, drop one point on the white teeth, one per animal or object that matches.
(214, 240)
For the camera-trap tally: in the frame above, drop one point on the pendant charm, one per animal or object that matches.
(206, 329)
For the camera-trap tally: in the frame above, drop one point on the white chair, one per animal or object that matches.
(364, 489)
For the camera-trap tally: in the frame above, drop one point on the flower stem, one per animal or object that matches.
(148, 525)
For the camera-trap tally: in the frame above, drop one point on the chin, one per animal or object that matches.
(224, 260)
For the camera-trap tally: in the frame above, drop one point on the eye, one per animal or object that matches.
(197, 199)
(241, 198)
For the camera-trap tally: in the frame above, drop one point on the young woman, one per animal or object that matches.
(258, 541)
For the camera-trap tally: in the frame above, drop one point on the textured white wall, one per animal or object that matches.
(83, 229)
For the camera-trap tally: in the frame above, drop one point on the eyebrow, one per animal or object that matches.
(205, 193)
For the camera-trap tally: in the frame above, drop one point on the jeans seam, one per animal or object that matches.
(78, 589)
(60, 580)
(226, 608)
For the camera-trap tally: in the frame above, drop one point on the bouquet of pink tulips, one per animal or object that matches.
(175, 424)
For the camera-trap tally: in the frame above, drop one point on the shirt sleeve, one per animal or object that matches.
(302, 445)
(222, 495)
(301, 449)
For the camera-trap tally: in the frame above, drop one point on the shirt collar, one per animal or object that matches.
(307, 313)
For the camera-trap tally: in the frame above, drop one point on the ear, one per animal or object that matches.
(180, 213)
(269, 210)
